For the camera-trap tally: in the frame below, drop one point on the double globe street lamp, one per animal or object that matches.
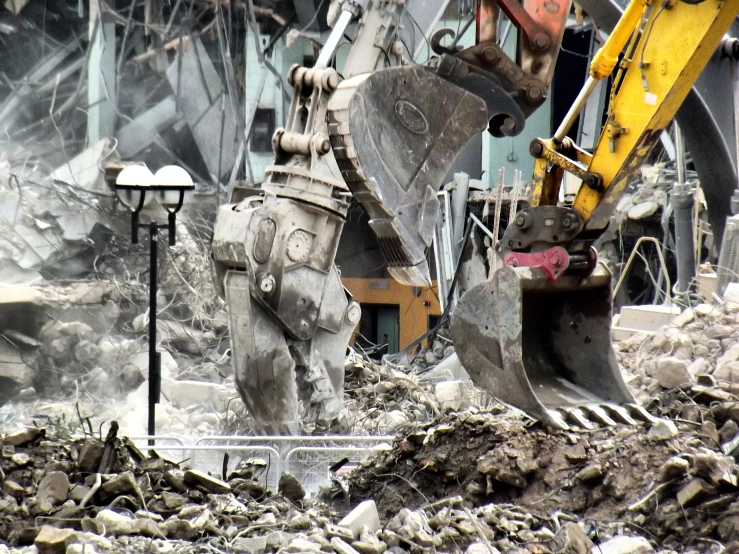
(136, 187)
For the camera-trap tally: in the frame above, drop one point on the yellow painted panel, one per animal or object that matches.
(414, 310)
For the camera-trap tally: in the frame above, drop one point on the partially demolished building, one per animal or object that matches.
(394, 318)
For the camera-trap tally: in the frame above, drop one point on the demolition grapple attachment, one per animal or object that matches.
(545, 347)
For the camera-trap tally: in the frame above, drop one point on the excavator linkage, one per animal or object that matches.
(545, 347)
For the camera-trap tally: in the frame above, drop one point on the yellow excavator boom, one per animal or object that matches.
(677, 40)
(538, 334)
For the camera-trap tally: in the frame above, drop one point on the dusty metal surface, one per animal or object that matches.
(395, 132)
(394, 143)
(539, 346)
(290, 317)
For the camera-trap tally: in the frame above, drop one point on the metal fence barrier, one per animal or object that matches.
(310, 463)
(306, 457)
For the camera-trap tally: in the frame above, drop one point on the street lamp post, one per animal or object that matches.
(136, 187)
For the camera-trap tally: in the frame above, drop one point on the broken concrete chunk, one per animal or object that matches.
(196, 478)
(389, 422)
(52, 490)
(300, 523)
(115, 523)
(495, 464)
(338, 531)
(24, 437)
(728, 430)
(253, 545)
(91, 454)
(193, 393)
(123, 483)
(673, 373)
(571, 539)
(643, 210)
(148, 528)
(731, 294)
(715, 467)
(575, 453)
(191, 511)
(730, 355)
(290, 487)
(364, 547)
(277, 540)
(728, 372)
(364, 515)
(179, 529)
(172, 500)
(303, 546)
(51, 540)
(593, 472)
(685, 317)
(342, 547)
(623, 544)
(719, 332)
(674, 468)
(11, 488)
(694, 492)
(453, 395)
(20, 459)
(662, 430)
(78, 492)
(480, 548)
(699, 366)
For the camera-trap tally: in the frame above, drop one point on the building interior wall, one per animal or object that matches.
(416, 305)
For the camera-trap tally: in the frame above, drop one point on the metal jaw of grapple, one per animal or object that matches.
(290, 318)
(545, 347)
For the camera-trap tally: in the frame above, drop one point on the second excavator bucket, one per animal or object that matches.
(395, 133)
(545, 347)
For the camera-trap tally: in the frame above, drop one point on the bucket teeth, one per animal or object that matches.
(620, 413)
(556, 420)
(641, 414)
(591, 416)
(576, 415)
(599, 414)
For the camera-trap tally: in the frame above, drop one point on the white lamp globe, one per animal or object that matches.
(171, 176)
(128, 179)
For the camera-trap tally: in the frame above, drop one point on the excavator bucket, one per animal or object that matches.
(395, 133)
(545, 347)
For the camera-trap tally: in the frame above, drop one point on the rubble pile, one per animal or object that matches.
(647, 194)
(107, 496)
(471, 481)
(700, 344)
(498, 477)
(383, 398)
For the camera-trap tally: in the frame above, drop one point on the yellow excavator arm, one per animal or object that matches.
(667, 46)
(537, 335)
